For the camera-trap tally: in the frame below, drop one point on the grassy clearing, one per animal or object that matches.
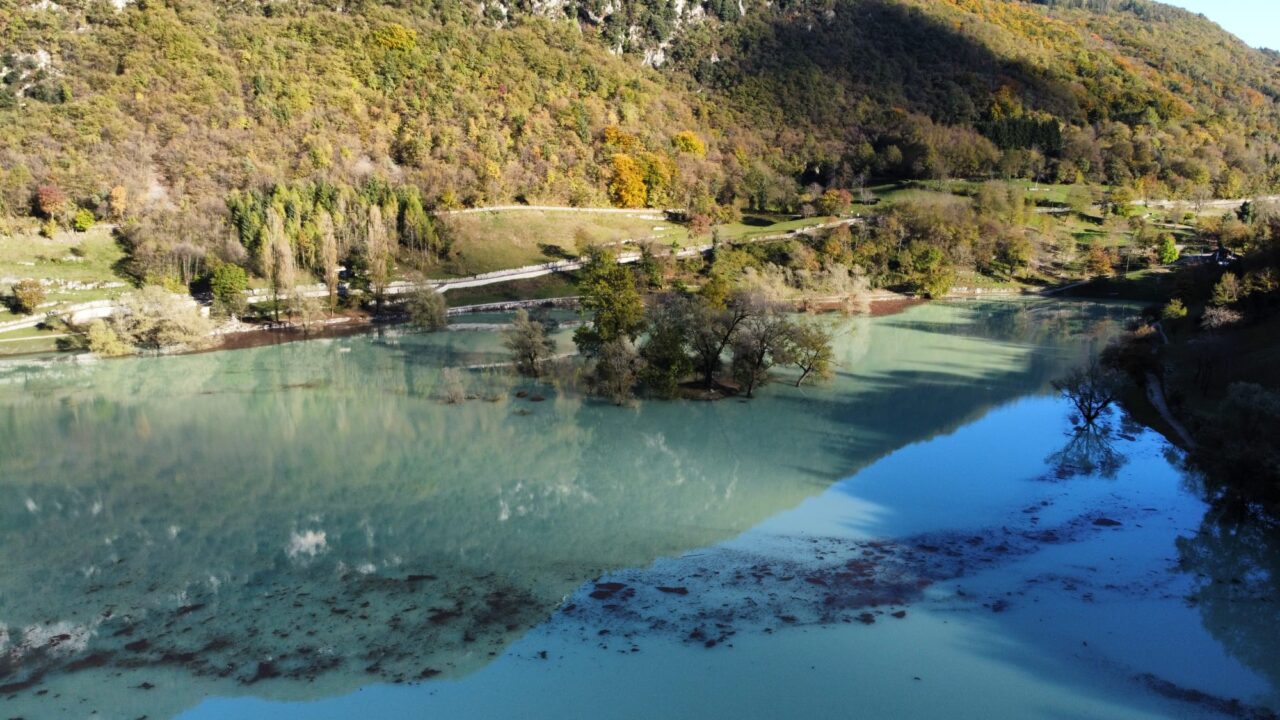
(913, 193)
(88, 257)
(541, 288)
(974, 280)
(499, 240)
(514, 238)
(757, 225)
(33, 340)
(924, 190)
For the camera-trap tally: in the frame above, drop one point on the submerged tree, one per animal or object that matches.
(609, 294)
(1091, 389)
(713, 329)
(762, 340)
(617, 369)
(528, 343)
(427, 309)
(453, 386)
(811, 352)
(666, 352)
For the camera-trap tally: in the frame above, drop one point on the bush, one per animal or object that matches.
(427, 310)
(1219, 317)
(1175, 310)
(528, 344)
(688, 141)
(1169, 253)
(27, 296)
(157, 319)
(617, 370)
(49, 228)
(1227, 290)
(83, 220)
(49, 200)
(1098, 263)
(453, 386)
(104, 341)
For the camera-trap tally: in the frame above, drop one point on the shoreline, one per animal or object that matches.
(880, 304)
(243, 336)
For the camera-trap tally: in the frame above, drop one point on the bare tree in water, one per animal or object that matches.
(1091, 389)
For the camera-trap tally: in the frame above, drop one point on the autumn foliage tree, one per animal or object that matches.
(627, 187)
(49, 200)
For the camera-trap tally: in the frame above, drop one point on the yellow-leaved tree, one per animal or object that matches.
(627, 188)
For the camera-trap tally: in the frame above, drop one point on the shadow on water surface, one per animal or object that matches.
(1235, 563)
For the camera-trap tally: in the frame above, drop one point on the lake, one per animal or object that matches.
(308, 530)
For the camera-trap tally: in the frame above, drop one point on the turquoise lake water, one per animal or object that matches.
(309, 531)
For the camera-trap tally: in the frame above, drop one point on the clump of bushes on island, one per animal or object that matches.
(676, 341)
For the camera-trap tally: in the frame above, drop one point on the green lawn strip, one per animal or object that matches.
(500, 240)
(540, 288)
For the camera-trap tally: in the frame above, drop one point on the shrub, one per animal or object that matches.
(1175, 310)
(118, 202)
(49, 200)
(453, 386)
(1227, 290)
(156, 319)
(1098, 263)
(104, 341)
(27, 296)
(49, 228)
(83, 220)
(688, 141)
(528, 344)
(1168, 250)
(1219, 317)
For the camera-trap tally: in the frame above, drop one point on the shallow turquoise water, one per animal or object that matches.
(307, 530)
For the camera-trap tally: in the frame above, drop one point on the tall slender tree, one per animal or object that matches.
(329, 256)
(378, 253)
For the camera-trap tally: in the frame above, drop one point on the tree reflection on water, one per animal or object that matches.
(1090, 450)
(1236, 563)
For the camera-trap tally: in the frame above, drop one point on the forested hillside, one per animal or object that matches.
(163, 115)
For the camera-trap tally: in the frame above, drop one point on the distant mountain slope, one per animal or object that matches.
(181, 102)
